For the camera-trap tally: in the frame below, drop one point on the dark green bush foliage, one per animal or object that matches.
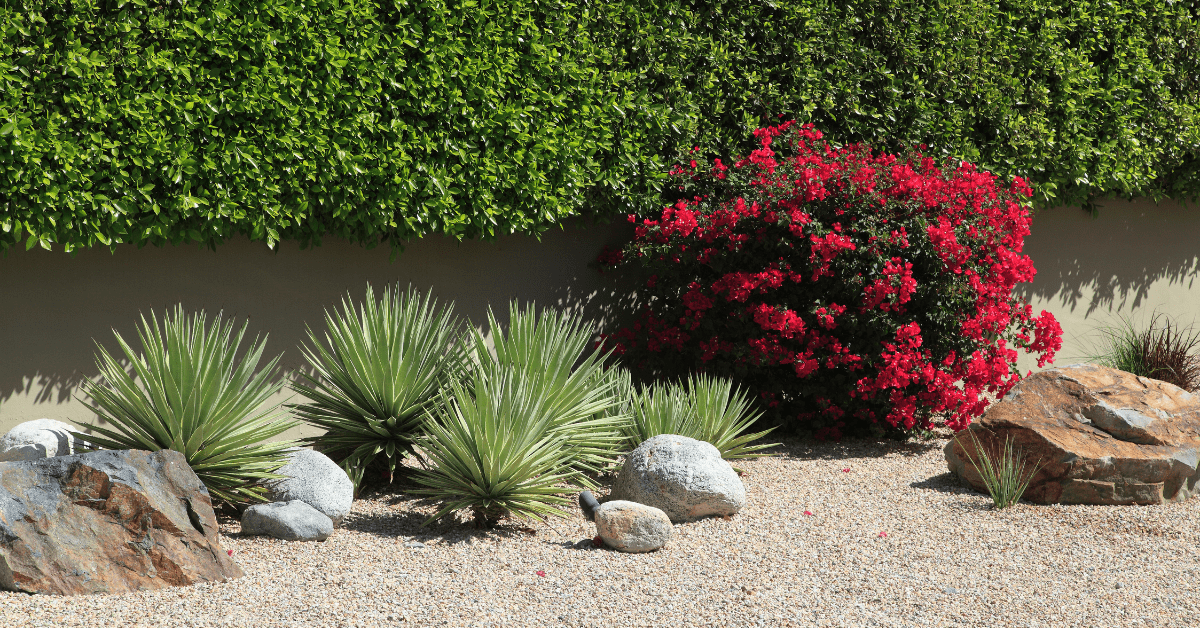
(152, 122)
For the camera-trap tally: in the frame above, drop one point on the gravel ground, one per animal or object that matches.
(892, 540)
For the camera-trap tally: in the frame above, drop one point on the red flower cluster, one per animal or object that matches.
(857, 292)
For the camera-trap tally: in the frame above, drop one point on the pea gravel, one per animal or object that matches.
(893, 541)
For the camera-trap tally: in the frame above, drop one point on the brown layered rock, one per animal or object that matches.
(107, 522)
(1100, 436)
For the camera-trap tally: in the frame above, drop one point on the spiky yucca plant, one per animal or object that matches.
(723, 414)
(658, 408)
(188, 392)
(550, 354)
(705, 408)
(376, 374)
(496, 450)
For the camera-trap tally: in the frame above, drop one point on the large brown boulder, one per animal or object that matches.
(107, 522)
(1102, 436)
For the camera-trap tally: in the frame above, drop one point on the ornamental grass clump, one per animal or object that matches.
(1164, 351)
(376, 375)
(188, 392)
(1005, 475)
(709, 409)
(852, 292)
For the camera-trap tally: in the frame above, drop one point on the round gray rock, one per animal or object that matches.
(683, 477)
(632, 527)
(290, 521)
(315, 480)
(34, 440)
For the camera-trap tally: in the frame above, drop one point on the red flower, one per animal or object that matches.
(853, 290)
(540, 573)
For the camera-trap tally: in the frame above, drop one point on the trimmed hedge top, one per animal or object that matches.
(146, 121)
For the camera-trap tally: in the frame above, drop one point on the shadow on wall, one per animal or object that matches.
(57, 304)
(1134, 258)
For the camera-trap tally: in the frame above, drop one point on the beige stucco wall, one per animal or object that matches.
(53, 305)
(1131, 260)
(1134, 258)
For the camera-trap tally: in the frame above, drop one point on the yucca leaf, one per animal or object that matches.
(549, 352)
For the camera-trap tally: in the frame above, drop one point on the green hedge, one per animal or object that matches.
(1086, 98)
(152, 122)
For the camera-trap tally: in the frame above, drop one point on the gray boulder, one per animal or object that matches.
(683, 477)
(107, 522)
(34, 440)
(290, 521)
(632, 527)
(315, 480)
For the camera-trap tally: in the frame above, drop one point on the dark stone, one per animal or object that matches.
(588, 504)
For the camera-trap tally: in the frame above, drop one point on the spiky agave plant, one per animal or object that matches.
(659, 408)
(496, 451)
(723, 414)
(188, 392)
(376, 375)
(549, 353)
(706, 408)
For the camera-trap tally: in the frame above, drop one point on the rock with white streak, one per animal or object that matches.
(107, 522)
(1095, 435)
(34, 440)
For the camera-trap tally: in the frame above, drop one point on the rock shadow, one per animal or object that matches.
(944, 483)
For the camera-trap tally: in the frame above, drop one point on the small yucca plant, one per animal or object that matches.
(376, 375)
(495, 451)
(1005, 476)
(706, 408)
(188, 392)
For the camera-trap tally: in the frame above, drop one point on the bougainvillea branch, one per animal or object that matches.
(856, 292)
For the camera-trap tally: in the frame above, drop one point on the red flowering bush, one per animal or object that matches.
(857, 293)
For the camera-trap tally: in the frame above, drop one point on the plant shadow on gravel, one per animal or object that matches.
(406, 513)
(807, 449)
(950, 484)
